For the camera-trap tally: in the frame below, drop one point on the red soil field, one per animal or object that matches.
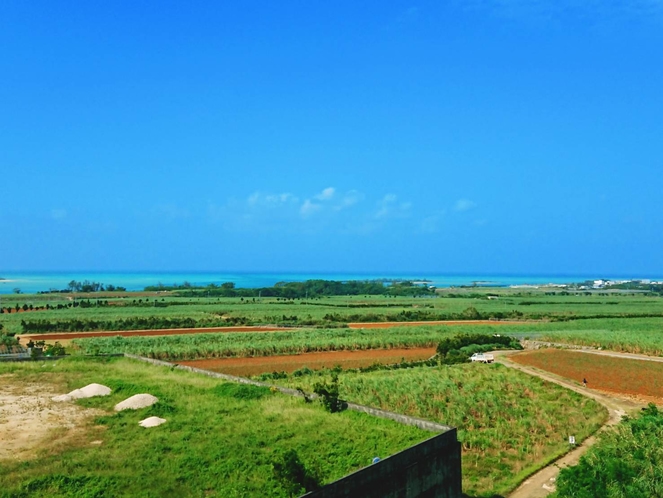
(289, 363)
(129, 333)
(639, 378)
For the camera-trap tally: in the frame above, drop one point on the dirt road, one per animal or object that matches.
(542, 483)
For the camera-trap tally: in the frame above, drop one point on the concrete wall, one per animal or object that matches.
(427, 470)
(430, 469)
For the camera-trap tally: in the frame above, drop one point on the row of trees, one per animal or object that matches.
(86, 286)
(302, 290)
(133, 323)
(74, 304)
(418, 315)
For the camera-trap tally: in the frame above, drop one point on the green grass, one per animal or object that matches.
(510, 424)
(628, 334)
(191, 346)
(534, 304)
(626, 462)
(218, 441)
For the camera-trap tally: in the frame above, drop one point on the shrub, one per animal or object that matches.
(293, 475)
(328, 392)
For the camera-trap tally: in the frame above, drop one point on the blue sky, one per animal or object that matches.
(496, 136)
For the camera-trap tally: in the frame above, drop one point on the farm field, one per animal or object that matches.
(142, 333)
(246, 367)
(220, 439)
(642, 335)
(197, 346)
(502, 419)
(115, 311)
(255, 328)
(640, 378)
(510, 424)
(624, 462)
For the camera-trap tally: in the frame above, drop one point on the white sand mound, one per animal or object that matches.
(152, 422)
(136, 402)
(88, 391)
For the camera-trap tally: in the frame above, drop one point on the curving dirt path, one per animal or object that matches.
(542, 483)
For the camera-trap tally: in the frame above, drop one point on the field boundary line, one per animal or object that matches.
(426, 425)
(542, 482)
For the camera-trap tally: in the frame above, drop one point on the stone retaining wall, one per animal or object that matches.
(376, 412)
(431, 469)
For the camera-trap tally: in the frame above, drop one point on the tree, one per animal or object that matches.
(17, 290)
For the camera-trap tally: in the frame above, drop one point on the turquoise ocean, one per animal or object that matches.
(32, 282)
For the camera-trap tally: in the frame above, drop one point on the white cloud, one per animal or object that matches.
(431, 224)
(464, 205)
(326, 194)
(349, 199)
(328, 210)
(270, 200)
(390, 207)
(308, 208)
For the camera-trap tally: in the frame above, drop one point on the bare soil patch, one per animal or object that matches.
(31, 421)
(542, 483)
(640, 379)
(289, 363)
(67, 336)
(129, 333)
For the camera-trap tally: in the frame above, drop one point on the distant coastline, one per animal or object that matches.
(33, 282)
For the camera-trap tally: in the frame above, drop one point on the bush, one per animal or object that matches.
(624, 463)
(328, 392)
(293, 475)
(54, 349)
(459, 348)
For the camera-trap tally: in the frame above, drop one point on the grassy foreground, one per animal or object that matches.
(218, 441)
(510, 424)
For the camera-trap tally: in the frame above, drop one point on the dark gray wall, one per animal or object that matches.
(427, 470)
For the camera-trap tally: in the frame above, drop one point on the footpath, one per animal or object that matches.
(542, 483)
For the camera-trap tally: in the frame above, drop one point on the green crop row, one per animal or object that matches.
(219, 345)
(341, 309)
(637, 335)
(510, 424)
(625, 462)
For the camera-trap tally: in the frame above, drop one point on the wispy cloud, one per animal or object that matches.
(389, 206)
(464, 205)
(308, 208)
(431, 223)
(327, 210)
(326, 195)
(260, 199)
(350, 199)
